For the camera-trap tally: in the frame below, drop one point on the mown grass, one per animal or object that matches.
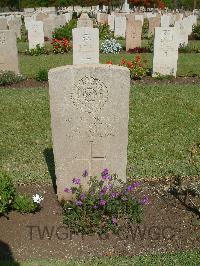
(164, 132)
(188, 64)
(176, 259)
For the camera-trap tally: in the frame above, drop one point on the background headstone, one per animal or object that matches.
(3, 24)
(165, 51)
(120, 26)
(85, 46)
(165, 20)
(153, 23)
(15, 25)
(8, 51)
(111, 22)
(84, 21)
(35, 34)
(49, 27)
(133, 33)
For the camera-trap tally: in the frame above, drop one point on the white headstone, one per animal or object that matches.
(3, 24)
(35, 34)
(85, 46)
(68, 17)
(140, 17)
(111, 22)
(182, 34)
(165, 51)
(89, 118)
(120, 26)
(165, 20)
(8, 51)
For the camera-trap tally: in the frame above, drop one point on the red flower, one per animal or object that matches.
(109, 62)
(123, 62)
(137, 58)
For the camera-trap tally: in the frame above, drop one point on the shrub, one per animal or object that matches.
(145, 29)
(11, 200)
(39, 50)
(111, 47)
(7, 193)
(138, 50)
(74, 15)
(183, 48)
(150, 43)
(9, 77)
(196, 32)
(42, 75)
(24, 34)
(65, 31)
(61, 46)
(105, 32)
(106, 206)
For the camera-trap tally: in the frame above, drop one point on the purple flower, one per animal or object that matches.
(85, 173)
(82, 196)
(136, 184)
(114, 195)
(102, 193)
(67, 190)
(145, 200)
(79, 203)
(95, 206)
(76, 181)
(114, 220)
(130, 188)
(105, 172)
(109, 186)
(102, 202)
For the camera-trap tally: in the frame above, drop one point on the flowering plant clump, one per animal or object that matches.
(108, 204)
(137, 69)
(10, 199)
(111, 47)
(61, 46)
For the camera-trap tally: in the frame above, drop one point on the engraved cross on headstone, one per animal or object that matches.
(91, 159)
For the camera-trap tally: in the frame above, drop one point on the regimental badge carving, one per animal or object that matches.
(89, 95)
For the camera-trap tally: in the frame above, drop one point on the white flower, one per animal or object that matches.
(37, 198)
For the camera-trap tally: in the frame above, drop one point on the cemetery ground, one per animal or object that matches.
(163, 143)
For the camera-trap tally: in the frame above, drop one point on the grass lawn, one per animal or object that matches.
(188, 64)
(177, 259)
(164, 132)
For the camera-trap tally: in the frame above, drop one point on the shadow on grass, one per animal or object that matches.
(49, 157)
(6, 256)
